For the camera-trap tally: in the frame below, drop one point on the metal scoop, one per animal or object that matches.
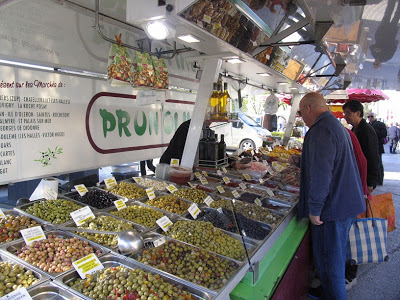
(129, 241)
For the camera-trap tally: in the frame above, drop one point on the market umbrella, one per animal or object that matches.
(362, 95)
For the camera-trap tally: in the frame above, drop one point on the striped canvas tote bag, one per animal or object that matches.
(367, 241)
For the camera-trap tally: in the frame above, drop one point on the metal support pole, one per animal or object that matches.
(292, 116)
(209, 75)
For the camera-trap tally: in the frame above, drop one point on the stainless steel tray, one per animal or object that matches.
(50, 290)
(152, 236)
(166, 211)
(12, 248)
(42, 277)
(75, 196)
(113, 260)
(151, 178)
(23, 207)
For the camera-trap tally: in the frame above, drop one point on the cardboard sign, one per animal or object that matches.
(150, 193)
(174, 162)
(120, 204)
(224, 170)
(164, 223)
(194, 210)
(257, 201)
(81, 189)
(219, 172)
(226, 180)
(203, 180)
(208, 200)
(204, 173)
(220, 189)
(138, 180)
(235, 194)
(32, 234)
(81, 215)
(242, 186)
(247, 177)
(110, 182)
(171, 188)
(19, 294)
(49, 193)
(87, 265)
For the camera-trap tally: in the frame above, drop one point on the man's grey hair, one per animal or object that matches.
(372, 114)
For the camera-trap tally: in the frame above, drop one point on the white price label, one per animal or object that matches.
(253, 152)
(32, 234)
(242, 186)
(171, 188)
(87, 265)
(270, 192)
(120, 204)
(269, 149)
(81, 189)
(2, 215)
(200, 23)
(235, 194)
(159, 242)
(138, 180)
(226, 180)
(49, 193)
(164, 223)
(208, 200)
(191, 184)
(269, 170)
(204, 173)
(224, 170)
(194, 210)
(261, 180)
(174, 162)
(203, 180)
(247, 176)
(281, 186)
(258, 201)
(256, 157)
(19, 294)
(197, 174)
(82, 215)
(219, 172)
(219, 209)
(277, 166)
(232, 11)
(110, 182)
(150, 193)
(207, 19)
(220, 189)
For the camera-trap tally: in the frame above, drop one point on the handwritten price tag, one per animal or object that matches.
(281, 186)
(203, 180)
(32, 234)
(194, 210)
(226, 180)
(247, 176)
(190, 184)
(110, 182)
(204, 173)
(242, 186)
(150, 193)
(197, 174)
(19, 294)
(174, 162)
(224, 170)
(120, 204)
(164, 223)
(171, 188)
(81, 215)
(138, 180)
(220, 189)
(235, 194)
(81, 189)
(270, 192)
(208, 200)
(219, 172)
(2, 215)
(87, 265)
(49, 193)
(257, 201)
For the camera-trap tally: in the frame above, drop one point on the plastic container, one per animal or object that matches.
(180, 175)
(162, 171)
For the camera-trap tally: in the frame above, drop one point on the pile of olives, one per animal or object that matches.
(55, 254)
(98, 198)
(13, 277)
(248, 197)
(54, 211)
(154, 184)
(139, 214)
(124, 283)
(11, 225)
(169, 203)
(105, 223)
(192, 194)
(192, 264)
(205, 235)
(128, 190)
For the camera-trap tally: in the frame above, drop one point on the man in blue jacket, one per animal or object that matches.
(331, 194)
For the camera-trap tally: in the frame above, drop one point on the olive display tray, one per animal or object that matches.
(23, 207)
(155, 236)
(249, 244)
(115, 260)
(14, 212)
(50, 290)
(38, 274)
(290, 197)
(262, 225)
(138, 203)
(144, 201)
(75, 196)
(151, 178)
(12, 248)
(139, 228)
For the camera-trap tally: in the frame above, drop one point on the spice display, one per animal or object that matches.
(139, 214)
(98, 198)
(192, 264)
(192, 194)
(128, 190)
(11, 225)
(206, 236)
(54, 211)
(124, 283)
(55, 254)
(13, 277)
(169, 203)
(143, 70)
(105, 223)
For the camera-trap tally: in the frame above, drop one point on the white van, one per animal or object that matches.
(245, 133)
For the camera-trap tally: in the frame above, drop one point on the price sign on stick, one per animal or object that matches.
(224, 170)
(171, 188)
(82, 215)
(197, 174)
(2, 215)
(219, 172)
(49, 193)
(164, 223)
(138, 180)
(242, 186)
(235, 194)
(174, 162)
(203, 180)
(19, 294)
(247, 177)
(110, 182)
(33, 234)
(194, 210)
(208, 200)
(204, 173)
(226, 180)
(81, 189)
(257, 201)
(220, 189)
(120, 204)
(270, 192)
(87, 265)
(150, 193)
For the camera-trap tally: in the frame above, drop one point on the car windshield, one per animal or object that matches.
(249, 121)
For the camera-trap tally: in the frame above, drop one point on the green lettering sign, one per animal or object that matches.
(140, 130)
(123, 122)
(109, 121)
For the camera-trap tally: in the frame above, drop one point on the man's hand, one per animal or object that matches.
(315, 220)
(370, 189)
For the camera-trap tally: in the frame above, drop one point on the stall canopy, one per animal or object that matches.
(362, 95)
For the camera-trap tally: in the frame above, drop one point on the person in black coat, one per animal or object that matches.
(381, 132)
(177, 144)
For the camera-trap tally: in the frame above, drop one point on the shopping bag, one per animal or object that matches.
(119, 66)
(367, 241)
(161, 73)
(382, 207)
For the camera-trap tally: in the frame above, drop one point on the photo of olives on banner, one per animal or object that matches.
(14, 276)
(124, 283)
(161, 73)
(119, 66)
(190, 263)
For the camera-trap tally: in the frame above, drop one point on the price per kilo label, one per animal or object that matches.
(281, 186)
(197, 174)
(270, 192)
(110, 182)
(81, 189)
(242, 186)
(224, 170)
(49, 193)
(207, 19)
(203, 180)
(120, 204)
(174, 162)
(150, 193)
(247, 176)
(204, 173)
(261, 180)
(2, 215)
(208, 200)
(138, 180)
(226, 180)
(253, 152)
(219, 172)
(82, 215)
(87, 265)
(258, 201)
(164, 223)
(32, 234)
(19, 294)
(194, 210)
(235, 194)
(171, 188)
(191, 184)
(220, 189)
